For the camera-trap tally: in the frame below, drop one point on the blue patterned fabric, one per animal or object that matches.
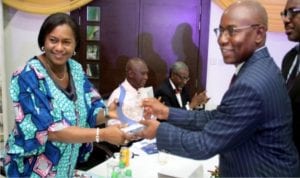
(40, 106)
(251, 129)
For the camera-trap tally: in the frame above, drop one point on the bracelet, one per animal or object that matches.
(97, 135)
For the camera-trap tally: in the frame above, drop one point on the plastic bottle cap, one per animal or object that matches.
(114, 174)
(128, 173)
(121, 164)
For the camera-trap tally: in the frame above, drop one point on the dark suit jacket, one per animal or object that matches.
(168, 95)
(294, 93)
(251, 129)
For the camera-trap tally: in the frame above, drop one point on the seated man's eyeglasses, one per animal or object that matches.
(232, 30)
(182, 77)
(289, 13)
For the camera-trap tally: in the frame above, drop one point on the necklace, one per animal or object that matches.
(59, 78)
(62, 78)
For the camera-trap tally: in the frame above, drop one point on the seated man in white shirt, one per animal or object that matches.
(127, 97)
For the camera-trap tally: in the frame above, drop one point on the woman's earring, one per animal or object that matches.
(43, 48)
(74, 53)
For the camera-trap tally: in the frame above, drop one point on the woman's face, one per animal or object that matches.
(60, 44)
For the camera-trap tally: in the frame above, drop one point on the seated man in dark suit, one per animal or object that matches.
(173, 91)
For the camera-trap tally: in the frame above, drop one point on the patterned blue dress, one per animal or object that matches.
(41, 106)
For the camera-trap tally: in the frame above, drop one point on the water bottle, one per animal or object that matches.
(125, 155)
(121, 170)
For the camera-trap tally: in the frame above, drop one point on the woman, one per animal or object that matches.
(56, 108)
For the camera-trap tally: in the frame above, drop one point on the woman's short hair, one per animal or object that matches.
(55, 20)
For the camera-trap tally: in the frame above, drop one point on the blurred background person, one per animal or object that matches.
(173, 91)
(126, 99)
(290, 64)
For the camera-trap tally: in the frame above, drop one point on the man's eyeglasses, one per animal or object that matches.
(232, 30)
(289, 13)
(182, 77)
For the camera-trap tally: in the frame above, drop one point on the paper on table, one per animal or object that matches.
(145, 165)
(177, 167)
(137, 146)
(151, 148)
(84, 174)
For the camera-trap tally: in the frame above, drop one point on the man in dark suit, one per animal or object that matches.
(251, 129)
(173, 91)
(290, 65)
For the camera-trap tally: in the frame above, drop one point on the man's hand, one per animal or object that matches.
(154, 108)
(199, 99)
(150, 129)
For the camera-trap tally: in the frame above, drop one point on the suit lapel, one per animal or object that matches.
(295, 85)
(173, 95)
(288, 61)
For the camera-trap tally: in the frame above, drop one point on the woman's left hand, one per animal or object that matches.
(113, 134)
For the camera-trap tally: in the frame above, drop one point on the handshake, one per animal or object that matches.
(133, 132)
(146, 127)
(133, 128)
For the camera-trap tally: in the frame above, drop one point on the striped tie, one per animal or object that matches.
(233, 79)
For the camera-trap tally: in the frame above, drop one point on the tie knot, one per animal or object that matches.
(233, 79)
(178, 90)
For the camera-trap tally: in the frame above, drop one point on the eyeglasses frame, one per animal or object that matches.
(232, 30)
(289, 13)
(186, 79)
